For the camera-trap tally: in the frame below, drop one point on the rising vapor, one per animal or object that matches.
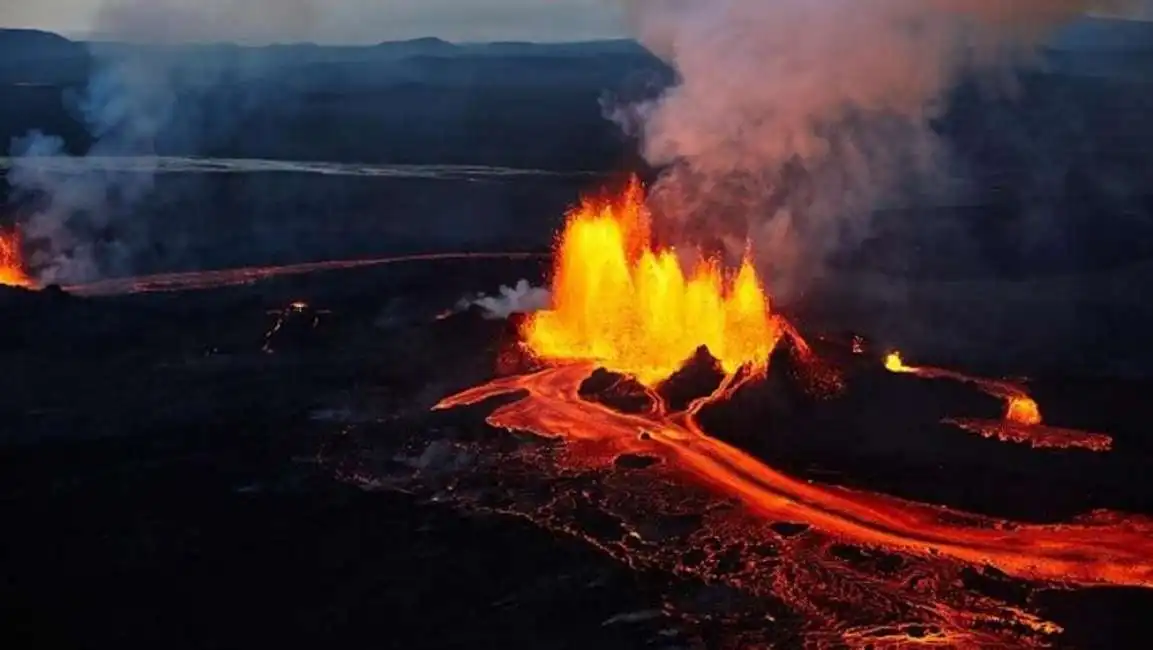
(791, 120)
(137, 102)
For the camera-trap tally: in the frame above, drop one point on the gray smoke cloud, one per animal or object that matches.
(792, 120)
(139, 101)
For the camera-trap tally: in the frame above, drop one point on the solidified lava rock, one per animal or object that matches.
(788, 528)
(497, 340)
(54, 292)
(699, 377)
(512, 357)
(745, 418)
(619, 392)
(466, 329)
(635, 461)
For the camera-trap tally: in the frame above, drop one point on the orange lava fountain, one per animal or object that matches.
(12, 260)
(629, 307)
(624, 306)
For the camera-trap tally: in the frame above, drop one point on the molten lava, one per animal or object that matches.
(627, 306)
(12, 260)
(1022, 420)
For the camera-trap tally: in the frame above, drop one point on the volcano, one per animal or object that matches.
(735, 476)
(638, 357)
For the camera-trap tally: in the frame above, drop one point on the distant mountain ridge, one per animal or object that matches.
(1091, 33)
(431, 101)
(25, 44)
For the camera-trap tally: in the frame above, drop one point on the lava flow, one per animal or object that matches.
(1022, 420)
(621, 305)
(12, 260)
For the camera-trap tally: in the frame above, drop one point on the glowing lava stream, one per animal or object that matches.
(1022, 420)
(1100, 549)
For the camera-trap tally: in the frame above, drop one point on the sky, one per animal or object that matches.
(321, 21)
(325, 21)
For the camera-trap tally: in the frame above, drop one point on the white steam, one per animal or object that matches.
(137, 102)
(125, 106)
(791, 120)
(520, 299)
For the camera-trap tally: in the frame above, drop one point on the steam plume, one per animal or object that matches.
(79, 225)
(520, 299)
(791, 120)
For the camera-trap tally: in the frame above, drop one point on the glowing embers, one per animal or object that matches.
(1022, 421)
(12, 260)
(628, 307)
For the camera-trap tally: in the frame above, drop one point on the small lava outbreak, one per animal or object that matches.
(12, 260)
(623, 308)
(1022, 420)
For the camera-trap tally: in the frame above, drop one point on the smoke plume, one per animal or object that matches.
(139, 102)
(792, 120)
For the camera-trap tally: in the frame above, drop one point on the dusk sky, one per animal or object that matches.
(323, 21)
(328, 21)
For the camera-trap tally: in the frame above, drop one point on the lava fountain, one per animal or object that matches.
(628, 307)
(12, 260)
(623, 305)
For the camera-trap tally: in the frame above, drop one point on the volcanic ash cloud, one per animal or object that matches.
(791, 120)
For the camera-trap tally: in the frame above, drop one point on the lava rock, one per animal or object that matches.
(512, 356)
(635, 461)
(699, 377)
(619, 392)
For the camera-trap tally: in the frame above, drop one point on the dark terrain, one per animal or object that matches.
(173, 475)
(161, 480)
(158, 493)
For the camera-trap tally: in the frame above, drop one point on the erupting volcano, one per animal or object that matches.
(623, 306)
(12, 260)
